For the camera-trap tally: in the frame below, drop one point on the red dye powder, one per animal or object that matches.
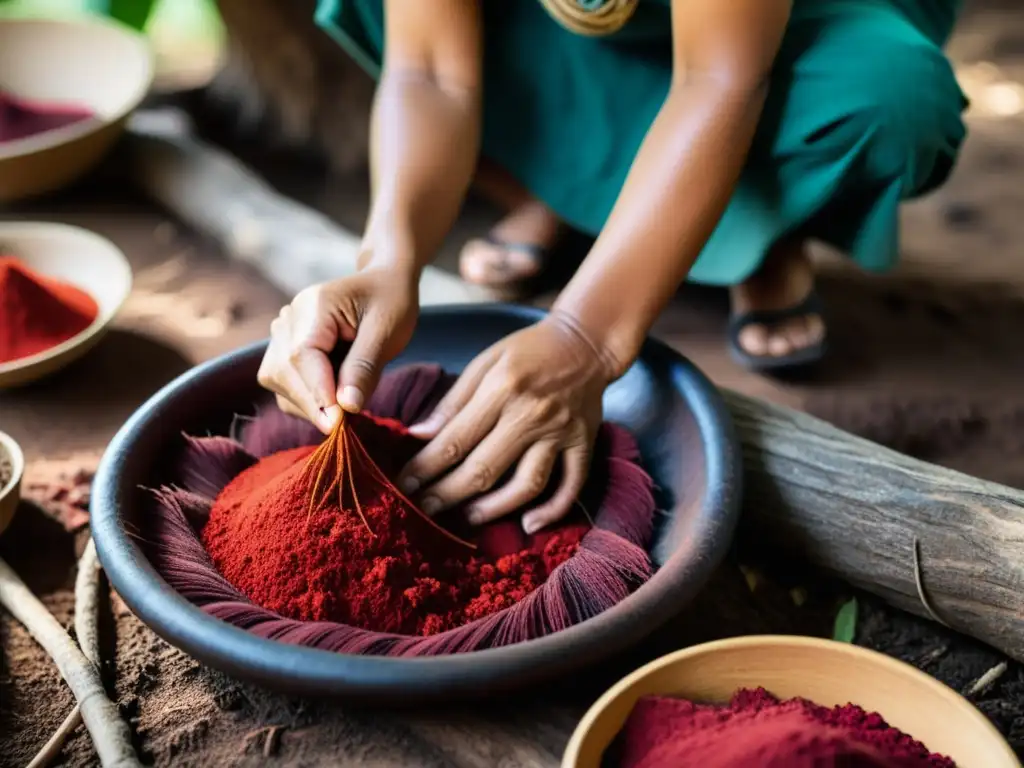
(21, 118)
(38, 313)
(395, 573)
(756, 729)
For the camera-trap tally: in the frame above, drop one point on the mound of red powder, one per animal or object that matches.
(37, 313)
(396, 573)
(757, 729)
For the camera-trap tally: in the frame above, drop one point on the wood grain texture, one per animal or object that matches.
(854, 509)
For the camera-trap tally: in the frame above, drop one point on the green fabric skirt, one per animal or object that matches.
(863, 111)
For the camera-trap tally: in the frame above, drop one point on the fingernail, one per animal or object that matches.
(409, 486)
(474, 516)
(425, 428)
(531, 525)
(351, 399)
(329, 416)
(431, 505)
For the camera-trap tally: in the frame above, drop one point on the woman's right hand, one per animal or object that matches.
(375, 310)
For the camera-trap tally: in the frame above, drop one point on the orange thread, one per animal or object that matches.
(333, 460)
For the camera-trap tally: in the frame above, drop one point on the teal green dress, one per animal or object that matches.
(863, 112)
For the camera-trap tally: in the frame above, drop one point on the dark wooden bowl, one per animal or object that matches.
(687, 443)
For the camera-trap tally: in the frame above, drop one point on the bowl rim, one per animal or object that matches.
(10, 446)
(570, 757)
(57, 137)
(20, 229)
(396, 679)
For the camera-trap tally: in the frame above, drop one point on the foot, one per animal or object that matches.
(784, 280)
(515, 248)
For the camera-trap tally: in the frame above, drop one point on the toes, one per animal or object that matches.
(475, 261)
(797, 333)
(815, 329)
(753, 339)
(778, 343)
(485, 263)
(783, 339)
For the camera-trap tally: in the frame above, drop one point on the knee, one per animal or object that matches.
(905, 116)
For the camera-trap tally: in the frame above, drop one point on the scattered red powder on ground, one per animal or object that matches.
(405, 577)
(37, 313)
(755, 728)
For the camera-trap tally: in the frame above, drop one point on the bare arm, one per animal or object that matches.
(425, 129)
(683, 175)
(425, 140)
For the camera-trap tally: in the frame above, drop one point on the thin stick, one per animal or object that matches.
(110, 734)
(87, 593)
(985, 681)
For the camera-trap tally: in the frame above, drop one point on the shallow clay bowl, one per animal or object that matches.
(10, 491)
(824, 671)
(687, 443)
(76, 256)
(91, 62)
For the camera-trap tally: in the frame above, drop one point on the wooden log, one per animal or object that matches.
(884, 522)
(291, 244)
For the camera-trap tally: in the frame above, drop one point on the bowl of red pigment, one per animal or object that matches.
(783, 701)
(215, 541)
(66, 89)
(60, 288)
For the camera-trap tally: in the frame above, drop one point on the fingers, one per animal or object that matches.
(361, 369)
(290, 408)
(529, 481)
(453, 444)
(576, 466)
(484, 465)
(296, 375)
(310, 339)
(455, 399)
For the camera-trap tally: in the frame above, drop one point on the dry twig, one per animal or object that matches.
(986, 681)
(110, 734)
(87, 595)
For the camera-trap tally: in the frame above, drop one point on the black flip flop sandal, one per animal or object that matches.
(797, 360)
(538, 254)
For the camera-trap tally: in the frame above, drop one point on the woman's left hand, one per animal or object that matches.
(532, 398)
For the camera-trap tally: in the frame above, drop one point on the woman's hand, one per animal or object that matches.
(375, 309)
(532, 398)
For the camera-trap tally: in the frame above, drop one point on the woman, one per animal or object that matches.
(698, 139)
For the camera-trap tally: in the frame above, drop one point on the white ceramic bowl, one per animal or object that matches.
(10, 492)
(76, 256)
(93, 62)
(826, 672)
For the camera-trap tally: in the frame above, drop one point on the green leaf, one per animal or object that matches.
(845, 628)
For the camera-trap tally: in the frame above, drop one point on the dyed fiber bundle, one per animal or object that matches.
(378, 577)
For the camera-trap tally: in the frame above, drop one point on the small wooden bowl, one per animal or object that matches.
(76, 256)
(10, 492)
(91, 62)
(823, 671)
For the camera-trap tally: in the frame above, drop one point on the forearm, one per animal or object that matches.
(675, 194)
(424, 146)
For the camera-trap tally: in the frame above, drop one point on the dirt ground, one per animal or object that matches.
(926, 360)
